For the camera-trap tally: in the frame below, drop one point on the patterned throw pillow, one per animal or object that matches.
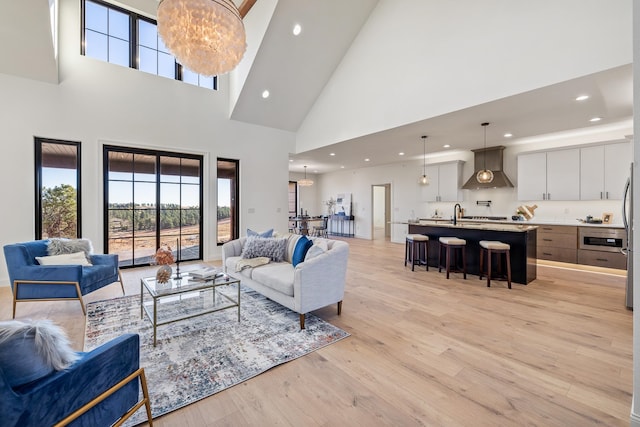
(268, 233)
(270, 247)
(70, 246)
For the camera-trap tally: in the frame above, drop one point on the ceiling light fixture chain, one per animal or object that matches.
(305, 182)
(424, 179)
(485, 176)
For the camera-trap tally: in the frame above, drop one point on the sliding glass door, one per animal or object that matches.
(152, 199)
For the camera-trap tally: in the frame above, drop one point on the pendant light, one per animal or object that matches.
(485, 176)
(305, 182)
(424, 179)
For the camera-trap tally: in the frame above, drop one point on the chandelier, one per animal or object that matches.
(305, 182)
(205, 36)
(485, 176)
(424, 179)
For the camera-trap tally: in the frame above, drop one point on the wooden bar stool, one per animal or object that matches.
(493, 247)
(415, 245)
(458, 245)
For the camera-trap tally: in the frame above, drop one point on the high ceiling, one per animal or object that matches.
(295, 70)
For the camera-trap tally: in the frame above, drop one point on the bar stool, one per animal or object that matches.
(414, 245)
(498, 248)
(448, 243)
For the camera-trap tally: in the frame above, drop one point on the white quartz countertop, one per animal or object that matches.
(532, 222)
(515, 226)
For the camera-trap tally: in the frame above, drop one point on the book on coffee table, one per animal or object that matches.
(206, 273)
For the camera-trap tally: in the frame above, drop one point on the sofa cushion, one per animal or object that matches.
(268, 233)
(272, 248)
(277, 276)
(319, 247)
(300, 251)
(32, 350)
(77, 258)
(69, 246)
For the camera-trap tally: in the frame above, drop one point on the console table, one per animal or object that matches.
(342, 225)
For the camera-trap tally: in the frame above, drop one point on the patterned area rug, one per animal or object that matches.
(198, 357)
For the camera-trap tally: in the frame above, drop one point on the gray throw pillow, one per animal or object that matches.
(270, 247)
(70, 246)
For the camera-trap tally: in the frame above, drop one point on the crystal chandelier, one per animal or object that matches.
(305, 182)
(485, 176)
(205, 36)
(424, 179)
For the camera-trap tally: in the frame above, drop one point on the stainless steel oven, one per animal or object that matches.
(595, 239)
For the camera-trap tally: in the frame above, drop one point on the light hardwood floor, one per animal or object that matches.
(429, 351)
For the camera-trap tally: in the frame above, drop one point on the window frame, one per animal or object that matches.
(133, 41)
(235, 208)
(38, 141)
(158, 154)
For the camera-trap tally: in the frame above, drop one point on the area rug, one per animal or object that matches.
(198, 357)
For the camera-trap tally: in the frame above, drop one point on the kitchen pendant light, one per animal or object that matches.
(424, 179)
(485, 176)
(305, 182)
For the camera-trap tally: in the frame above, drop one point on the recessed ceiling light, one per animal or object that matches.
(332, 154)
(582, 97)
(595, 119)
(366, 160)
(297, 29)
(446, 146)
(341, 167)
(265, 94)
(291, 160)
(508, 135)
(401, 153)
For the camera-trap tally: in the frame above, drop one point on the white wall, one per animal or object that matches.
(393, 74)
(97, 103)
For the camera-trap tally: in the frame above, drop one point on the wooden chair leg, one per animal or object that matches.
(481, 262)
(464, 262)
(448, 260)
(489, 258)
(506, 254)
(339, 308)
(302, 321)
(121, 281)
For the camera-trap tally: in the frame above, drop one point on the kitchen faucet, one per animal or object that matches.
(456, 207)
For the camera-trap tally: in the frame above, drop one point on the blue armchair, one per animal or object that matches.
(99, 389)
(31, 281)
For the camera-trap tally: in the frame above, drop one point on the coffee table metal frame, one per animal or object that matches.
(178, 288)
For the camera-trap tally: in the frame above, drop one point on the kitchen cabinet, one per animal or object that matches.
(444, 183)
(551, 175)
(602, 171)
(558, 243)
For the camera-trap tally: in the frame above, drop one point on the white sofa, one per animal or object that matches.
(310, 285)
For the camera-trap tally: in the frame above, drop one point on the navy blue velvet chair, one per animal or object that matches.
(31, 281)
(100, 389)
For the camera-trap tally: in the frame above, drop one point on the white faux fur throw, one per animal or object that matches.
(51, 342)
(251, 262)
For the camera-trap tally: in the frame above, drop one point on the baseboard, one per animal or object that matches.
(634, 418)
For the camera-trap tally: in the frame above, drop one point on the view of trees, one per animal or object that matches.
(224, 212)
(125, 217)
(59, 211)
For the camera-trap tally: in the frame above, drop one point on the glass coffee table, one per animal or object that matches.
(184, 298)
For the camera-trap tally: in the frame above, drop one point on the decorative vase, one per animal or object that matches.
(163, 274)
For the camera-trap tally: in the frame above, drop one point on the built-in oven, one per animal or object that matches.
(595, 239)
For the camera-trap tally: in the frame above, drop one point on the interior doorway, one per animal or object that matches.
(381, 212)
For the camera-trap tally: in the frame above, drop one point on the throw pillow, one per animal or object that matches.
(270, 247)
(69, 246)
(319, 247)
(32, 350)
(67, 259)
(302, 246)
(268, 233)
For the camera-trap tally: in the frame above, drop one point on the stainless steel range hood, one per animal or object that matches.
(494, 158)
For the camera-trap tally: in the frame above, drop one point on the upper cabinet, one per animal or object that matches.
(552, 175)
(603, 172)
(444, 185)
(595, 172)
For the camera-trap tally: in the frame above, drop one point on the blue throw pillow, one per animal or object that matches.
(300, 251)
(268, 233)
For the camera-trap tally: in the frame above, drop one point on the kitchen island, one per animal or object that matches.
(522, 239)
